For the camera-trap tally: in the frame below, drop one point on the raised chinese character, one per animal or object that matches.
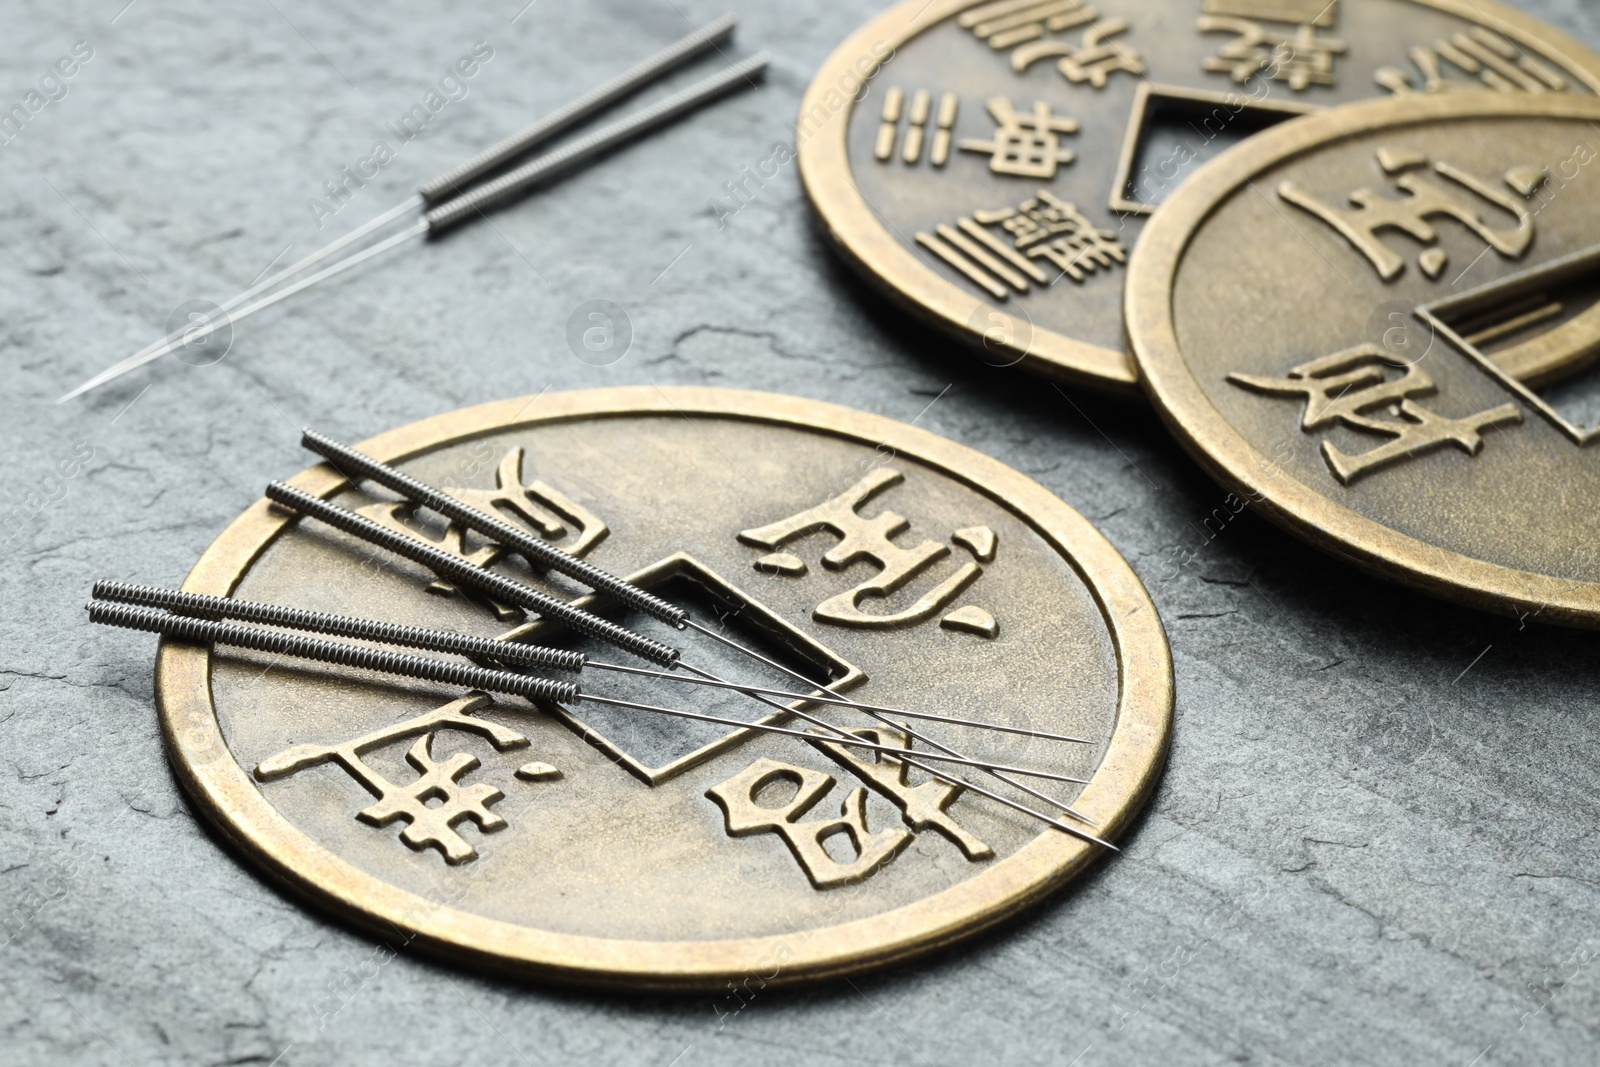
(1301, 59)
(1350, 388)
(869, 540)
(1426, 197)
(436, 802)
(917, 116)
(1026, 146)
(738, 797)
(1025, 27)
(1011, 22)
(1048, 227)
(1322, 13)
(1044, 228)
(545, 509)
(1489, 59)
(1093, 60)
(541, 507)
(922, 806)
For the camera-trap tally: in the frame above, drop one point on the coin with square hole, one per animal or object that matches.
(1002, 157)
(1475, 220)
(581, 842)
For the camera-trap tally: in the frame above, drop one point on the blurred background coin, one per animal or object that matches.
(1005, 155)
(1260, 309)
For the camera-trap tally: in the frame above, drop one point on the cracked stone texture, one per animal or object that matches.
(1376, 840)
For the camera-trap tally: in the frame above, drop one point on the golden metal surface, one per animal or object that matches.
(1262, 305)
(1013, 234)
(590, 847)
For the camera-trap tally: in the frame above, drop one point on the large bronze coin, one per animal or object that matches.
(613, 847)
(990, 164)
(1265, 298)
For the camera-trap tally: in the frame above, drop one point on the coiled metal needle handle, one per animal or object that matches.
(461, 572)
(634, 78)
(352, 464)
(187, 628)
(509, 186)
(276, 642)
(388, 633)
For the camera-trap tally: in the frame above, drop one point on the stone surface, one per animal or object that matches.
(1376, 839)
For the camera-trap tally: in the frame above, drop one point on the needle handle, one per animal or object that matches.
(455, 179)
(352, 464)
(515, 183)
(276, 642)
(459, 571)
(389, 633)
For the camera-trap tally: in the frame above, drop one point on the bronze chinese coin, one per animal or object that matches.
(1313, 315)
(605, 846)
(990, 164)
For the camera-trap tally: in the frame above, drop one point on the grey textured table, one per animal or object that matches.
(1376, 839)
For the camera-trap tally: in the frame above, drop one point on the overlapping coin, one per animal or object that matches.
(990, 164)
(1266, 299)
(613, 847)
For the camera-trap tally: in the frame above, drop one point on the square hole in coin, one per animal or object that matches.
(1173, 131)
(1542, 327)
(655, 747)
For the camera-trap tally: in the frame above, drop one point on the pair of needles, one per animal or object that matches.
(451, 199)
(184, 616)
(131, 607)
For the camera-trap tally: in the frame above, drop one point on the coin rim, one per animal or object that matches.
(1184, 407)
(1118, 787)
(919, 289)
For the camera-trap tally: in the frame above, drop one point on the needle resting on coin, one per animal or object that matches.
(485, 649)
(187, 627)
(354, 464)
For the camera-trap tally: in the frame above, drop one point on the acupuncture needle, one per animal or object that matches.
(279, 643)
(512, 652)
(185, 627)
(436, 194)
(353, 463)
(509, 590)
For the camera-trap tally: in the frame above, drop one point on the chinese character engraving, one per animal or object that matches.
(436, 802)
(745, 815)
(1045, 228)
(1025, 146)
(545, 509)
(1427, 197)
(1052, 229)
(1301, 58)
(1026, 26)
(1484, 55)
(916, 127)
(542, 508)
(1323, 13)
(1352, 388)
(870, 540)
(923, 806)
